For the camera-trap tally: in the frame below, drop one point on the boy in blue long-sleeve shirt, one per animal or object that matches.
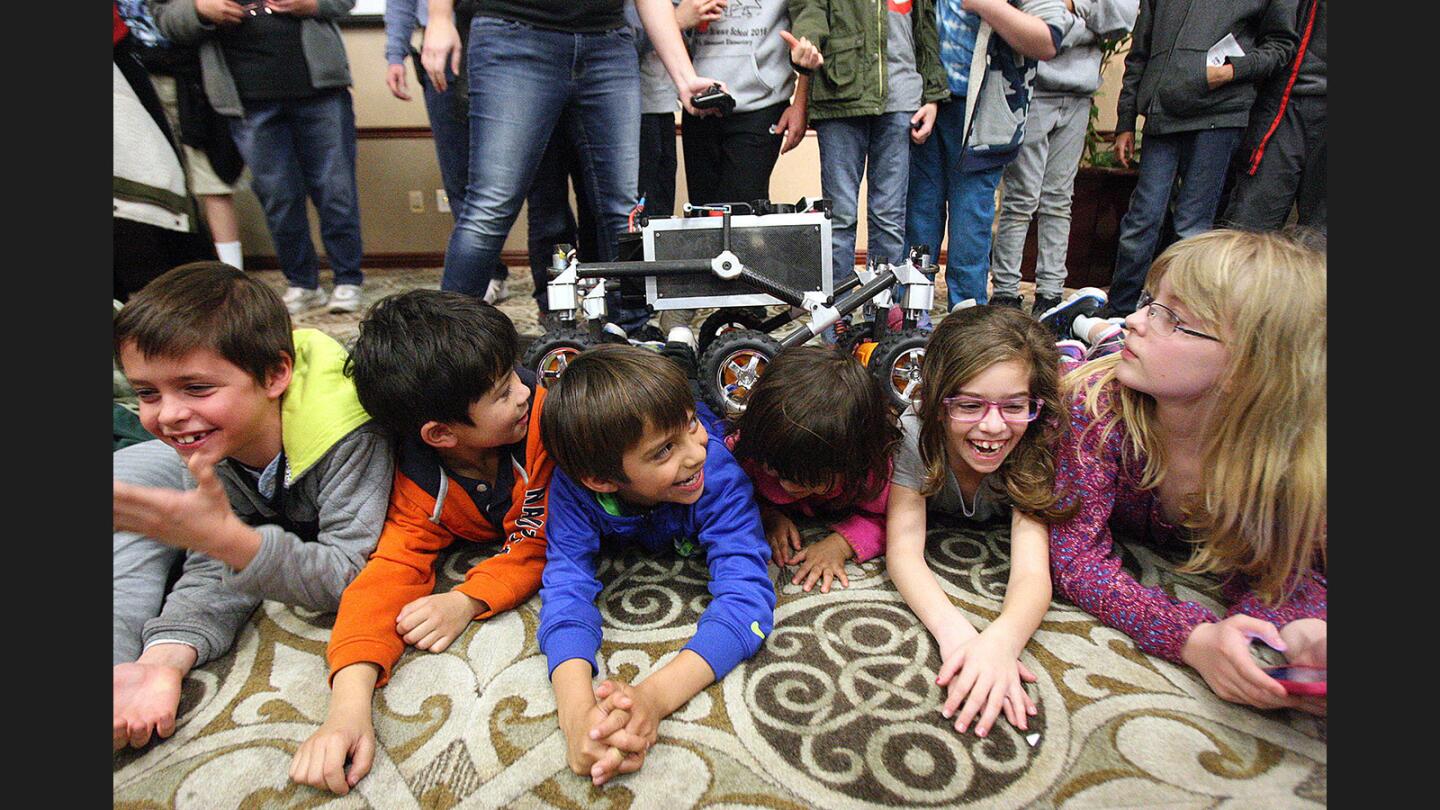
(639, 461)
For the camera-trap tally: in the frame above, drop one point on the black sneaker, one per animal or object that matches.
(1085, 301)
(1011, 301)
(1042, 304)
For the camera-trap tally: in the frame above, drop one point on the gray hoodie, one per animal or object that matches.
(1075, 70)
(744, 50)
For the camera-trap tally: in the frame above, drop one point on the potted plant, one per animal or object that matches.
(1102, 193)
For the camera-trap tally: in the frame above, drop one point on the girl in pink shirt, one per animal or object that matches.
(1208, 430)
(816, 438)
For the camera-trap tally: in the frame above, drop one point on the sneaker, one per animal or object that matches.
(299, 299)
(497, 291)
(346, 298)
(1073, 349)
(1011, 301)
(1044, 303)
(966, 304)
(683, 334)
(1086, 301)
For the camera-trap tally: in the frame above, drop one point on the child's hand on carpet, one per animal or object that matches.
(433, 622)
(825, 561)
(986, 674)
(641, 729)
(320, 762)
(781, 533)
(147, 693)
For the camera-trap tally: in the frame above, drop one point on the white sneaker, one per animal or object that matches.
(966, 304)
(496, 292)
(299, 299)
(346, 298)
(683, 334)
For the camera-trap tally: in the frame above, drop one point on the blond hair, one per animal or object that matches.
(1261, 508)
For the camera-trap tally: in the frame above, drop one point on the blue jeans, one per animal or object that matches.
(939, 186)
(1198, 160)
(846, 144)
(521, 79)
(300, 147)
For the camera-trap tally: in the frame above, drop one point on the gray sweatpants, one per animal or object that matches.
(1040, 182)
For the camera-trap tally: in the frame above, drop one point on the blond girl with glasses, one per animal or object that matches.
(978, 445)
(1208, 428)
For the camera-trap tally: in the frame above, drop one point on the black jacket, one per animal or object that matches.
(1165, 69)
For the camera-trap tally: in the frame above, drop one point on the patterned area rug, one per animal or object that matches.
(838, 709)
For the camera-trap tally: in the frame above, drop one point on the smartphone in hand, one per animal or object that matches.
(1299, 680)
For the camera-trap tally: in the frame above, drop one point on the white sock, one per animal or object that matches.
(230, 254)
(1082, 325)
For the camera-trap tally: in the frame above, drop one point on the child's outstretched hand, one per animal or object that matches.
(985, 673)
(199, 519)
(320, 762)
(433, 622)
(781, 533)
(825, 561)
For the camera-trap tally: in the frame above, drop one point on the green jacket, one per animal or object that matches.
(851, 36)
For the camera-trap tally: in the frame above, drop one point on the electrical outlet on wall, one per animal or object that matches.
(417, 202)
(442, 201)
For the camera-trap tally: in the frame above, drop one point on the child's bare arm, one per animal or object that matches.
(988, 676)
(905, 561)
(347, 733)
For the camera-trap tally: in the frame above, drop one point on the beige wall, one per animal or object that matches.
(389, 168)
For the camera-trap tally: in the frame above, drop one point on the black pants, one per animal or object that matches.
(729, 158)
(657, 163)
(1291, 173)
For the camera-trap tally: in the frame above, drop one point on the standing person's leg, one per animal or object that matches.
(449, 113)
(1203, 163)
(929, 189)
(658, 163)
(1057, 192)
(1140, 226)
(1311, 202)
(1021, 196)
(700, 140)
(605, 102)
(266, 139)
(748, 151)
(889, 183)
(842, 163)
(550, 220)
(325, 140)
(1262, 201)
(507, 139)
(972, 215)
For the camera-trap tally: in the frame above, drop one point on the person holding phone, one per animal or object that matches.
(1207, 430)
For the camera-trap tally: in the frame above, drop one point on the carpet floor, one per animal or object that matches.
(837, 710)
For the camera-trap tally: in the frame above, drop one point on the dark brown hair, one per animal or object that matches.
(603, 403)
(208, 305)
(816, 414)
(965, 344)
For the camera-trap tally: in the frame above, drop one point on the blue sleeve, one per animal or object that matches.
(400, 22)
(741, 612)
(569, 618)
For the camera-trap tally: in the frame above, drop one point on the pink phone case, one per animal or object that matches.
(1309, 680)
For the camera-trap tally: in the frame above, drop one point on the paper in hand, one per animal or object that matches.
(1227, 46)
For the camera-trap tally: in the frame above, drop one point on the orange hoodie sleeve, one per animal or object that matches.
(513, 574)
(401, 570)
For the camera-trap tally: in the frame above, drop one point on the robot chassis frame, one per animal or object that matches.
(736, 342)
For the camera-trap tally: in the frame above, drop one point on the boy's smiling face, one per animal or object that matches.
(498, 418)
(201, 402)
(663, 467)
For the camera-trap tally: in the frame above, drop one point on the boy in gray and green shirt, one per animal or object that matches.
(267, 481)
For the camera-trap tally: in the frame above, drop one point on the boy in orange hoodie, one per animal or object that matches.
(438, 370)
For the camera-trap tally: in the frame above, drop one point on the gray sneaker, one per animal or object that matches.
(346, 298)
(299, 299)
